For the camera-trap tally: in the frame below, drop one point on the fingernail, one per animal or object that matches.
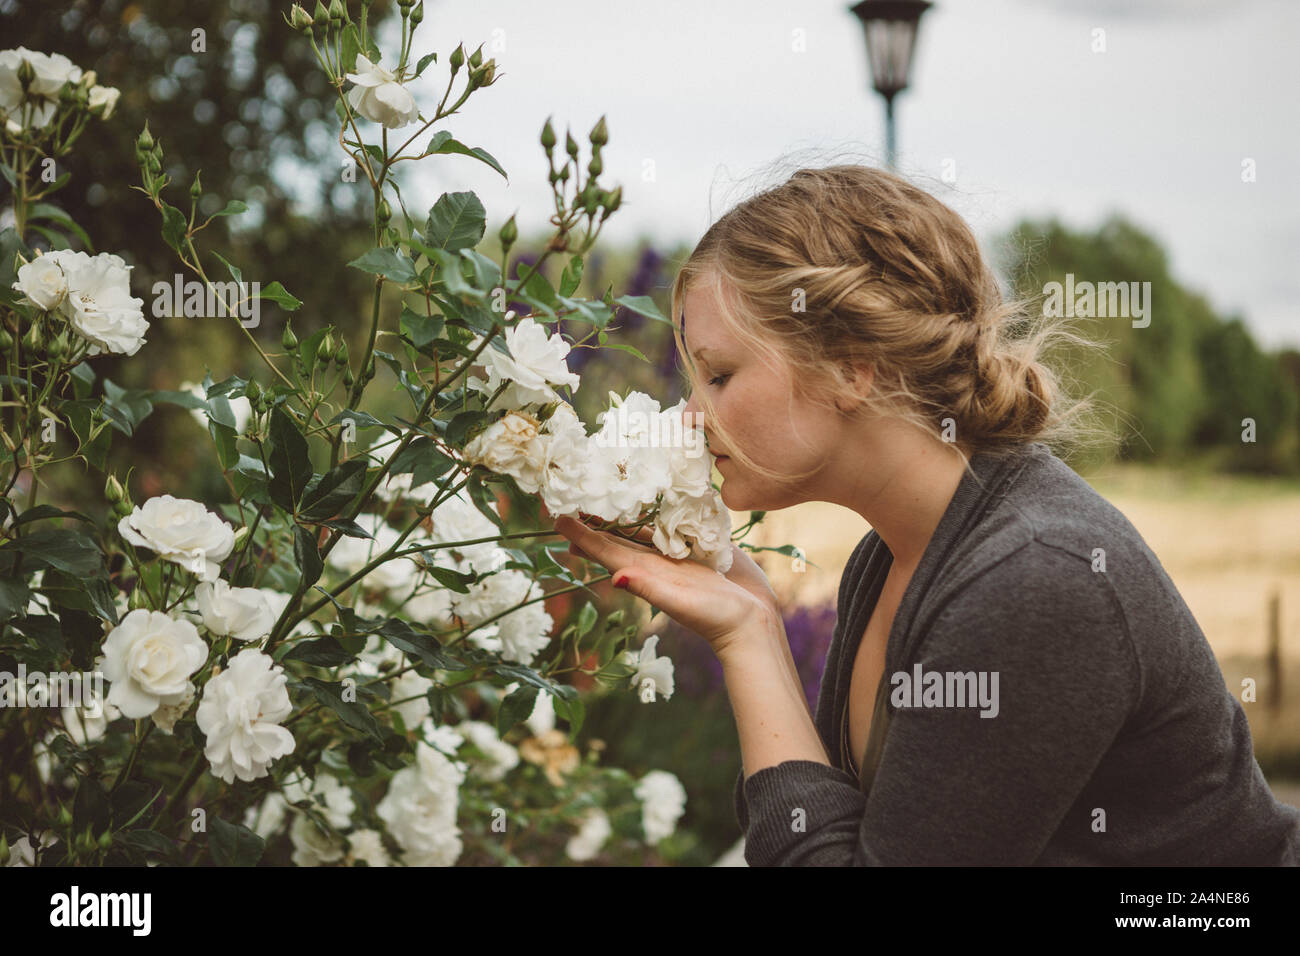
(620, 582)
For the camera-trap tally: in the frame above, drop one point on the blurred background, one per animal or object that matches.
(1137, 141)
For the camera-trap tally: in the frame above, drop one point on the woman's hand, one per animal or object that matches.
(722, 609)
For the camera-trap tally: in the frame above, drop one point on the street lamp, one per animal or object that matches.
(890, 29)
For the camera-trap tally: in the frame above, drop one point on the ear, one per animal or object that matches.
(860, 379)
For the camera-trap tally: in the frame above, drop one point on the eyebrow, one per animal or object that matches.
(700, 354)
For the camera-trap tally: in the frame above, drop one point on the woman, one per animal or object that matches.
(1013, 678)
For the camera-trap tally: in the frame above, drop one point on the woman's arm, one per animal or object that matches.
(768, 700)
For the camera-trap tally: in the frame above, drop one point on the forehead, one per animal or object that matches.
(700, 323)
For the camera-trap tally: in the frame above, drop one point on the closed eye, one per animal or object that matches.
(719, 379)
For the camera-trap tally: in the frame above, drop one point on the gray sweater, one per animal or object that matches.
(1047, 699)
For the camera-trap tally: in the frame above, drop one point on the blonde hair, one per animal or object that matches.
(847, 265)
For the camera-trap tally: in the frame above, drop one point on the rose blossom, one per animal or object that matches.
(380, 97)
(240, 715)
(534, 363)
(182, 531)
(148, 659)
(241, 613)
(43, 282)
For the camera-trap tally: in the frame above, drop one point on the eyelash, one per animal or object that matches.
(719, 378)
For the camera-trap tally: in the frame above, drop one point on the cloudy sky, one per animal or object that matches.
(704, 100)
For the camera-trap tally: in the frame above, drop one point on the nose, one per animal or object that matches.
(692, 417)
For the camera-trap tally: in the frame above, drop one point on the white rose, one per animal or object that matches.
(311, 846)
(663, 801)
(105, 96)
(182, 531)
(326, 793)
(420, 808)
(657, 670)
(99, 305)
(367, 846)
(240, 714)
(499, 756)
(173, 709)
(591, 836)
(266, 818)
(566, 462)
(511, 446)
(148, 659)
(52, 71)
(43, 281)
(380, 97)
(241, 613)
(535, 361)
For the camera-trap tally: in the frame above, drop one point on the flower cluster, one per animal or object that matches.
(31, 84)
(642, 459)
(93, 293)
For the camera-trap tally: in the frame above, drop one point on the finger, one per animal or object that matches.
(601, 546)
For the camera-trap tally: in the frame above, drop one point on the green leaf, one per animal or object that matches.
(125, 409)
(234, 845)
(443, 142)
(574, 711)
(14, 597)
(308, 347)
(56, 239)
(586, 619)
(336, 489)
(483, 500)
(425, 61)
(290, 461)
(52, 213)
(459, 426)
(175, 226)
(223, 436)
(183, 399)
(423, 460)
(421, 329)
(64, 549)
(233, 208)
(572, 276)
(307, 555)
(235, 272)
(416, 643)
(517, 707)
(280, 296)
(147, 841)
(347, 526)
(388, 262)
(456, 221)
(455, 580)
(623, 347)
(322, 652)
(351, 47)
(94, 593)
(642, 305)
(353, 713)
(49, 511)
(359, 419)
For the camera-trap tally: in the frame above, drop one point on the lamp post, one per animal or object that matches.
(890, 29)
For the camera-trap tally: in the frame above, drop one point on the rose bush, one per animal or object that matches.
(351, 659)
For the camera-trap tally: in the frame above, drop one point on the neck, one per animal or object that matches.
(901, 485)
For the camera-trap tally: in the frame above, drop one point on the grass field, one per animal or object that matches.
(1228, 543)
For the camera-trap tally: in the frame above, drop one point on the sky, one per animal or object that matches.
(1016, 101)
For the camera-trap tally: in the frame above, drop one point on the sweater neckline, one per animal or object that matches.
(969, 502)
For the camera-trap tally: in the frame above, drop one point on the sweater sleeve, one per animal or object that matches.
(984, 783)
